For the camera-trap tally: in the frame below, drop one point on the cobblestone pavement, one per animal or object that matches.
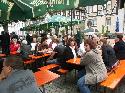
(69, 86)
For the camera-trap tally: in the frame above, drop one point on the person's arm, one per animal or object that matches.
(85, 59)
(2, 76)
(52, 55)
(105, 56)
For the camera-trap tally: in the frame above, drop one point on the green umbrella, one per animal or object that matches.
(63, 4)
(92, 2)
(26, 9)
(20, 9)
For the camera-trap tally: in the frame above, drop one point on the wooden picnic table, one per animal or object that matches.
(75, 61)
(2, 55)
(45, 76)
(38, 56)
(11, 53)
(115, 77)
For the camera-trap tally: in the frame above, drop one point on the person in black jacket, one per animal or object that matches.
(108, 54)
(70, 52)
(119, 48)
(5, 42)
(29, 39)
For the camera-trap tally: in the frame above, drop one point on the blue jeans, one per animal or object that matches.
(81, 73)
(82, 86)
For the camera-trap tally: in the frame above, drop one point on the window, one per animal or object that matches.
(108, 21)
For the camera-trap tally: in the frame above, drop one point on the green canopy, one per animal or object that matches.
(59, 21)
(52, 22)
(92, 2)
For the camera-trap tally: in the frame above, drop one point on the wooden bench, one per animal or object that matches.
(28, 64)
(63, 71)
(48, 67)
(115, 77)
(28, 61)
(43, 77)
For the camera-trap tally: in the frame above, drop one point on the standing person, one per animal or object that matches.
(119, 48)
(94, 67)
(14, 79)
(5, 42)
(78, 37)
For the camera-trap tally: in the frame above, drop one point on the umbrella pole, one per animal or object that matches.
(71, 21)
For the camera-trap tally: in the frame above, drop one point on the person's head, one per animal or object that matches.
(89, 44)
(44, 45)
(89, 23)
(14, 40)
(24, 42)
(71, 42)
(103, 41)
(56, 40)
(12, 63)
(120, 37)
(13, 33)
(39, 39)
(48, 35)
(65, 38)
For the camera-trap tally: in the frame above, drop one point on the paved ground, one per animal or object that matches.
(69, 86)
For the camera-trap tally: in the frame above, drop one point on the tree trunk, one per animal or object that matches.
(5, 26)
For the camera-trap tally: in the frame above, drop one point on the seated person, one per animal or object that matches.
(95, 70)
(1, 65)
(119, 48)
(108, 54)
(14, 79)
(25, 50)
(14, 45)
(57, 54)
(42, 47)
(70, 52)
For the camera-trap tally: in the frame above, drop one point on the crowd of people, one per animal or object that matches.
(97, 56)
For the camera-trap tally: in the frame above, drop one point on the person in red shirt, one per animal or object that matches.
(14, 45)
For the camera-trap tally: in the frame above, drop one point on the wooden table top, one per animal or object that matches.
(75, 61)
(39, 56)
(2, 55)
(14, 53)
(45, 76)
(115, 76)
